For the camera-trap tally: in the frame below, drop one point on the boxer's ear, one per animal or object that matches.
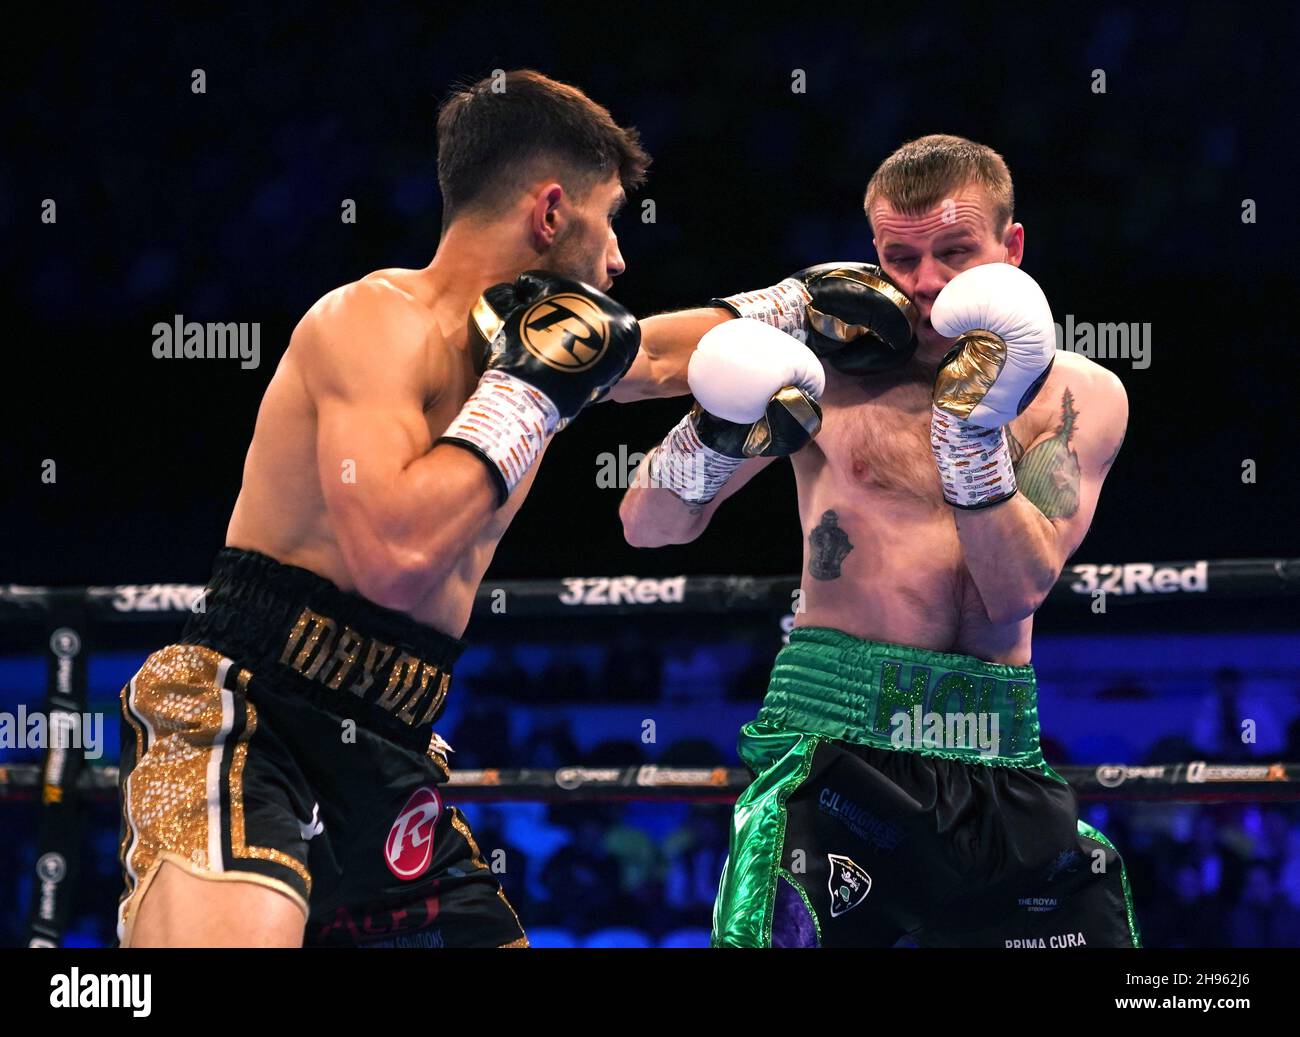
(1013, 240)
(544, 222)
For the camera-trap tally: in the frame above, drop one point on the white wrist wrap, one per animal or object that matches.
(508, 421)
(974, 463)
(784, 306)
(691, 470)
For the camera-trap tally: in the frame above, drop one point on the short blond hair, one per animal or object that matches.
(923, 172)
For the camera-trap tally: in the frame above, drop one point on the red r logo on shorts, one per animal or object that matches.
(409, 849)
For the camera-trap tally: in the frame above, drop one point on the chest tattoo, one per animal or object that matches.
(829, 545)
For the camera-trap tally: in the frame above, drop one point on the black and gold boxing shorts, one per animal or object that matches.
(288, 740)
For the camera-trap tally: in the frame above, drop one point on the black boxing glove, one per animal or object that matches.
(548, 346)
(790, 421)
(850, 314)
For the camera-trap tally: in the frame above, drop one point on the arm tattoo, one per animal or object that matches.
(828, 545)
(1111, 460)
(1049, 471)
(1017, 448)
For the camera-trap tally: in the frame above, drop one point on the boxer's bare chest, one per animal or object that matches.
(882, 556)
(875, 438)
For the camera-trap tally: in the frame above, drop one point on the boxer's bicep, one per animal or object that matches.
(361, 452)
(1098, 448)
(364, 368)
(1062, 471)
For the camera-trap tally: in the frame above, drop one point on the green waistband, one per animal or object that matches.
(890, 696)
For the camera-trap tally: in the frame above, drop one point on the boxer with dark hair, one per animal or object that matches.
(281, 777)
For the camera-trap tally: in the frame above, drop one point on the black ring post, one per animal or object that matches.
(59, 839)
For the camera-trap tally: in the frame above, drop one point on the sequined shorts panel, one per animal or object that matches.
(230, 778)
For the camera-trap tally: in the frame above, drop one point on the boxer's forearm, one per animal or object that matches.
(656, 517)
(667, 341)
(1011, 552)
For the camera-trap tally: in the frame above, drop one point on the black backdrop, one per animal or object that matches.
(225, 206)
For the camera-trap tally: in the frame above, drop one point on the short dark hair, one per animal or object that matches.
(496, 132)
(920, 174)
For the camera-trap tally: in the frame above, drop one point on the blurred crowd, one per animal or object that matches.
(645, 873)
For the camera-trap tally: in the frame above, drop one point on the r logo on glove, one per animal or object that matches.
(567, 332)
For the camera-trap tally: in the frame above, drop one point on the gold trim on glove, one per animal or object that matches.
(834, 328)
(798, 404)
(486, 319)
(964, 381)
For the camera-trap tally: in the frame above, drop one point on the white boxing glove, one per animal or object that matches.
(1006, 342)
(740, 364)
(756, 395)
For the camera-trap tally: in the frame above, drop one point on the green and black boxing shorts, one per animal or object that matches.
(288, 740)
(902, 793)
